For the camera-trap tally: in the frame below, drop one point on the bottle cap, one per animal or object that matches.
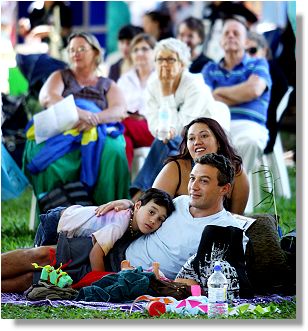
(217, 266)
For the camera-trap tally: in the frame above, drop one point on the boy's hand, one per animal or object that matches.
(117, 205)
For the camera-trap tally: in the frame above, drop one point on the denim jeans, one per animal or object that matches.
(154, 163)
(46, 233)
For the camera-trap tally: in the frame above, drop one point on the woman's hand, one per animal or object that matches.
(87, 120)
(87, 117)
(170, 135)
(116, 205)
(82, 126)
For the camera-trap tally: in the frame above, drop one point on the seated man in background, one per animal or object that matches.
(244, 84)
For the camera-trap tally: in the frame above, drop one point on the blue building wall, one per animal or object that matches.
(87, 16)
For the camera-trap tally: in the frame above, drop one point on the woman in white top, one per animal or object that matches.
(133, 85)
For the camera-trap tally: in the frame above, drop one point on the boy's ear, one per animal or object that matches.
(137, 205)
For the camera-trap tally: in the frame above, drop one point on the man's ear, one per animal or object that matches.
(220, 42)
(225, 189)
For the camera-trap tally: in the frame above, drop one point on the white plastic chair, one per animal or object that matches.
(32, 212)
(223, 115)
(274, 161)
(140, 155)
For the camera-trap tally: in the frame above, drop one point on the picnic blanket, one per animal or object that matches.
(20, 299)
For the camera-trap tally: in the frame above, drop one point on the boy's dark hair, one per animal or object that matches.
(195, 24)
(161, 198)
(222, 164)
(129, 31)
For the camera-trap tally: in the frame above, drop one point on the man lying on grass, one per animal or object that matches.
(171, 245)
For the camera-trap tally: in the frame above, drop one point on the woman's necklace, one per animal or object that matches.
(133, 233)
(90, 80)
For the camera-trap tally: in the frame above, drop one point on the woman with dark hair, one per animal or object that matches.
(202, 136)
(157, 24)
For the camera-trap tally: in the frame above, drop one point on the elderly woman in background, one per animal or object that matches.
(101, 106)
(180, 94)
(133, 84)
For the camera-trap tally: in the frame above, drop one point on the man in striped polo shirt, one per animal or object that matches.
(244, 84)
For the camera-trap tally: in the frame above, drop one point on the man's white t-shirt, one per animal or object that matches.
(177, 239)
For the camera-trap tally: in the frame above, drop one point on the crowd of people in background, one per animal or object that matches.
(146, 78)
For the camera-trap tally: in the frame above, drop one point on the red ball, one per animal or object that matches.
(156, 308)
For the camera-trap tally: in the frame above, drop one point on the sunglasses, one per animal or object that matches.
(252, 50)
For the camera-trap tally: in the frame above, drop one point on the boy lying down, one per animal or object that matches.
(145, 217)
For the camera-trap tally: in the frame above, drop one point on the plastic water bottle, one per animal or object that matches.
(217, 293)
(163, 122)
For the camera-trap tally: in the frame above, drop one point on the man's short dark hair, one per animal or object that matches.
(195, 24)
(222, 164)
(161, 198)
(129, 31)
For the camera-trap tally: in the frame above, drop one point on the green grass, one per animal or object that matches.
(288, 311)
(15, 215)
(15, 234)
(286, 208)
